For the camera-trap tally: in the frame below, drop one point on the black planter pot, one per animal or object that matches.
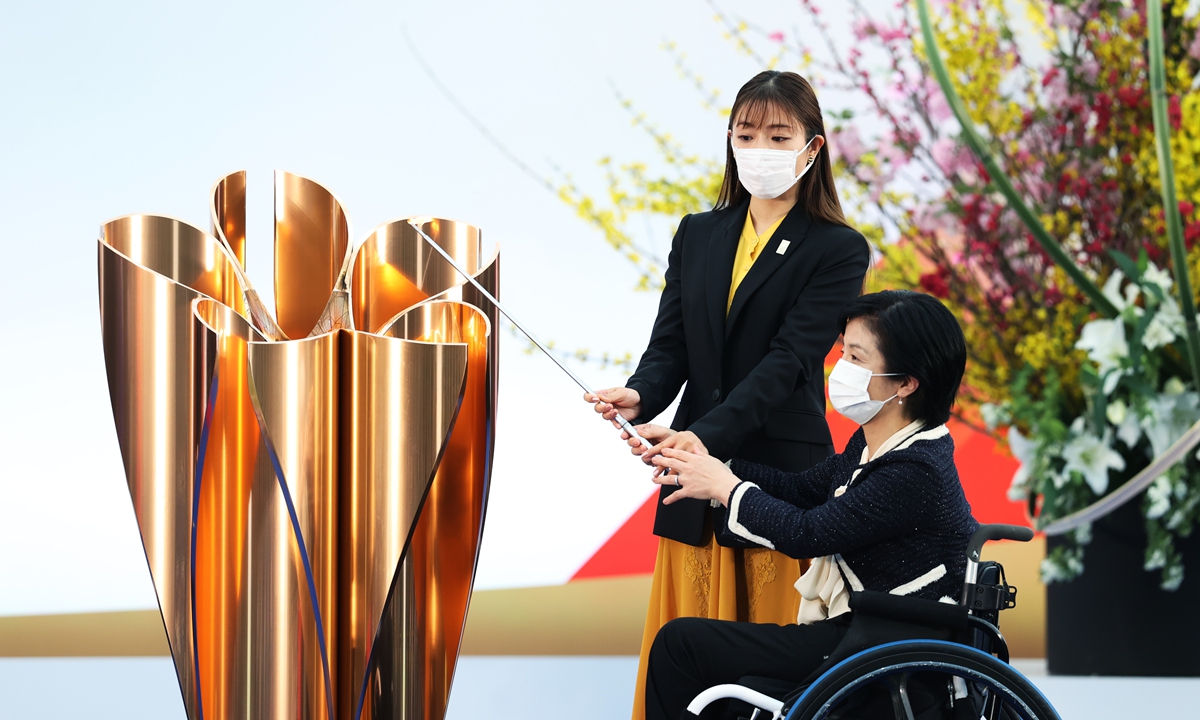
(1113, 619)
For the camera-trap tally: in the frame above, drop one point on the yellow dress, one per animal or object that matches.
(751, 585)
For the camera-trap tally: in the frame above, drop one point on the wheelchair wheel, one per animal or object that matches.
(914, 680)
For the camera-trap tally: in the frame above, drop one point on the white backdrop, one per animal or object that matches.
(119, 107)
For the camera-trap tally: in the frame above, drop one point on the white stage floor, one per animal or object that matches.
(498, 688)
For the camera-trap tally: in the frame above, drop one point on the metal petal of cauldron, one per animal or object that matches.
(311, 509)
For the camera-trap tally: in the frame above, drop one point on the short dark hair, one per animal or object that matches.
(917, 336)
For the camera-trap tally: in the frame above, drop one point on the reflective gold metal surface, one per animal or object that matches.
(396, 386)
(267, 516)
(311, 239)
(289, 492)
(151, 269)
(232, 467)
(227, 213)
(423, 625)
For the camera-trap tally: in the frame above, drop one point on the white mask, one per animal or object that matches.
(767, 174)
(848, 392)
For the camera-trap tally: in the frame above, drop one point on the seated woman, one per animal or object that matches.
(887, 514)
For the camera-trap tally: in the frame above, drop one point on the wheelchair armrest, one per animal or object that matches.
(736, 692)
(909, 610)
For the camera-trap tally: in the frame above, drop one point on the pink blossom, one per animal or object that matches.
(887, 34)
(1055, 87)
(951, 157)
(939, 109)
(862, 27)
(776, 36)
(1072, 20)
(890, 151)
(844, 143)
(1194, 50)
(874, 177)
(934, 219)
(1089, 68)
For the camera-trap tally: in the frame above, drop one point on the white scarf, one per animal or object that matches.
(822, 587)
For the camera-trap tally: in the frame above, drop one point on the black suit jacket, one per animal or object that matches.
(755, 386)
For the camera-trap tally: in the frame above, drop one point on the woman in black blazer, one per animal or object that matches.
(748, 313)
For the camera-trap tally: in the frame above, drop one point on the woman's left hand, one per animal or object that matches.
(685, 440)
(698, 476)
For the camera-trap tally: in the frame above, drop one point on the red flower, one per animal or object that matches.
(1129, 97)
(935, 283)
(1186, 208)
(1174, 112)
(1191, 234)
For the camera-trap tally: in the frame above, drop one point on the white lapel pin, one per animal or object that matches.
(783, 246)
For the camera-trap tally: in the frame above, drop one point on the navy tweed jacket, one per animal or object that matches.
(902, 525)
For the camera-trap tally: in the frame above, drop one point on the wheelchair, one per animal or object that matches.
(908, 659)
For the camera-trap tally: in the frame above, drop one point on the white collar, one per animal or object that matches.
(895, 440)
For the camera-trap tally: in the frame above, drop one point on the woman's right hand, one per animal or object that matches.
(655, 434)
(613, 401)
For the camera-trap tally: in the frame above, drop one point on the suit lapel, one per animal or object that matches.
(793, 229)
(722, 248)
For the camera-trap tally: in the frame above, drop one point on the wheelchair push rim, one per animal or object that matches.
(1012, 688)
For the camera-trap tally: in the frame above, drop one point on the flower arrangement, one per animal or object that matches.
(1138, 405)
(1054, 258)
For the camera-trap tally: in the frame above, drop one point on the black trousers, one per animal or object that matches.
(693, 654)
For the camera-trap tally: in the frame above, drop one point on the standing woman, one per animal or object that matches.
(750, 309)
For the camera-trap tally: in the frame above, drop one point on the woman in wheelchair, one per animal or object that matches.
(888, 514)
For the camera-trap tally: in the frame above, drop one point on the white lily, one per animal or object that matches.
(1104, 341)
(1091, 457)
(1130, 430)
(1024, 451)
(993, 415)
(1116, 411)
(1170, 415)
(1112, 290)
(1126, 422)
(1159, 494)
(1166, 325)
(1159, 277)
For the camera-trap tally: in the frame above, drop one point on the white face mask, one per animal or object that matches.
(848, 392)
(767, 174)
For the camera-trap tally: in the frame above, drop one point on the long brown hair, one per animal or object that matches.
(772, 90)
